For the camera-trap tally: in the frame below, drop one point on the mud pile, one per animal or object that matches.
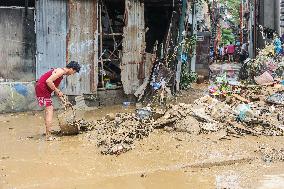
(253, 111)
(116, 134)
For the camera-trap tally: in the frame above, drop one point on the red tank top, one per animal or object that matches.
(42, 89)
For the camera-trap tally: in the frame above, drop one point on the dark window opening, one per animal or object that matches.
(17, 3)
(157, 20)
(112, 18)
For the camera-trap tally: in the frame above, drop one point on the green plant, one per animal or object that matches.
(187, 77)
(227, 36)
(233, 7)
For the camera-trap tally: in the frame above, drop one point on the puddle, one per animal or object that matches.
(228, 180)
(272, 182)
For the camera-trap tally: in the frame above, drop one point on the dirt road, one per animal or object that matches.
(163, 160)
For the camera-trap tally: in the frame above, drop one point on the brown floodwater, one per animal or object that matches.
(163, 160)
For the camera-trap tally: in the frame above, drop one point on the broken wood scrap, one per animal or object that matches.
(241, 98)
(141, 90)
(164, 122)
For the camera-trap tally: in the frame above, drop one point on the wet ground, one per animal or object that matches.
(163, 160)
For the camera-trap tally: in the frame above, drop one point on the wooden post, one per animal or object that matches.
(94, 72)
(101, 48)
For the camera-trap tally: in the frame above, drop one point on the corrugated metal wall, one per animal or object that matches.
(51, 31)
(132, 67)
(82, 45)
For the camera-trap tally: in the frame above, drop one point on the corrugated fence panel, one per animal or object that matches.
(82, 45)
(51, 31)
(132, 67)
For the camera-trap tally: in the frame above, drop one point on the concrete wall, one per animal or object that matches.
(269, 14)
(17, 46)
(269, 17)
(277, 16)
(19, 97)
(112, 97)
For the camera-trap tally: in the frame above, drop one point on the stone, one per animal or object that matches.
(188, 124)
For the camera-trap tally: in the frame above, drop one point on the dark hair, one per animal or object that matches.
(74, 65)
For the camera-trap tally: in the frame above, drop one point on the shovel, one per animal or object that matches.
(66, 119)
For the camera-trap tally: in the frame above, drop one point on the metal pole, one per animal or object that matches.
(241, 22)
(251, 44)
(254, 29)
(181, 29)
(194, 33)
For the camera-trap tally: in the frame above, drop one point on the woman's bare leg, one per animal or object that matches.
(48, 120)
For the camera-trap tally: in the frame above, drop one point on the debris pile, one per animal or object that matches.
(155, 89)
(117, 134)
(271, 154)
(84, 125)
(269, 61)
(210, 115)
(234, 117)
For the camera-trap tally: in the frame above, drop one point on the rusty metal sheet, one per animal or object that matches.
(51, 33)
(82, 45)
(132, 72)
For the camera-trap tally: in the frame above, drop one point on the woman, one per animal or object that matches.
(46, 85)
(231, 52)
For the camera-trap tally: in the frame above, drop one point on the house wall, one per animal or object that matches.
(132, 67)
(269, 17)
(65, 31)
(82, 46)
(17, 46)
(269, 14)
(202, 53)
(51, 31)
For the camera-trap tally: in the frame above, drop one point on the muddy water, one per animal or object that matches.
(163, 160)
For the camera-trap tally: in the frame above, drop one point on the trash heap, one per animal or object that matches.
(254, 111)
(269, 62)
(233, 116)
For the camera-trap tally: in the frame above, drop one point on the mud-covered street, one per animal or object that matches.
(141, 94)
(164, 159)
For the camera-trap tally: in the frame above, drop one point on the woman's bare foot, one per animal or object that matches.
(50, 138)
